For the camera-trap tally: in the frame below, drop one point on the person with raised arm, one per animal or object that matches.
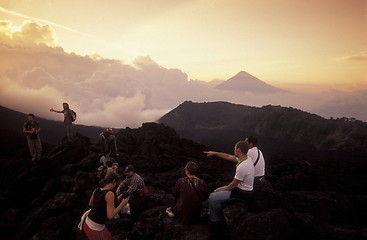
(69, 118)
(254, 153)
(240, 187)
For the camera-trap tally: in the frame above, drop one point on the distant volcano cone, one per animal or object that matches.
(245, 82)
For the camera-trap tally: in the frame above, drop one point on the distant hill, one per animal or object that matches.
(279, 129)
(245, 82)
(11, 123)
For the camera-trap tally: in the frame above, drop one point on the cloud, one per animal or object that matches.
(357, 57)
(36, 75)
(30, 33)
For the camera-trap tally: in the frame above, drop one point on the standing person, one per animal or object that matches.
(133, 186)
(103, 207)
(254, 153)
(189, 193)
(32, 129)
(240, 187)
(69, 118)
(110, 141)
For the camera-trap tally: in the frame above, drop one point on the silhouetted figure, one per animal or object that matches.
(32, 129)
(189, 193)
(110, 141)
(69, 118)
(103, 207)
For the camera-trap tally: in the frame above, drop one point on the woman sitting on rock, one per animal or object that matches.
(102, 203)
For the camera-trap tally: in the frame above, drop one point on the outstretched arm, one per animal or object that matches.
(225, 156)
(53, 110)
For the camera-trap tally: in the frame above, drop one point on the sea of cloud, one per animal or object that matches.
(36, 75)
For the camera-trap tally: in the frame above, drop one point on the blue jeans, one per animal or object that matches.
(217, 201)
(111, 143)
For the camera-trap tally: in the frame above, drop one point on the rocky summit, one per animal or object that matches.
(322, 198)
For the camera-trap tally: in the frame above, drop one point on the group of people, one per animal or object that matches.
(189, 192)
(111, 198)
(32, 129)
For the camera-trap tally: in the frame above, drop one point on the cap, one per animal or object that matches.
(129, 168)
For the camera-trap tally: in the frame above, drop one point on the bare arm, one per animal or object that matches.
(232, 185)
(53, 110)
(225, 156)
(110, 205)
(91, 200)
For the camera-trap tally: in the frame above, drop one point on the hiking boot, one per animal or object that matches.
(170, 213)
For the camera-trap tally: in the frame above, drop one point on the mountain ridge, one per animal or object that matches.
(286, 124)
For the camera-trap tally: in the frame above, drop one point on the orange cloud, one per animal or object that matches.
(30, 33)
(35, 77)
(357, 57)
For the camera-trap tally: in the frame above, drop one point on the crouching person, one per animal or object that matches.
(103, 208)
(134, 187)
(189, 193)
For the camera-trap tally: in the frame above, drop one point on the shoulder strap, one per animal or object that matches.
(197, 192)
(258, 157)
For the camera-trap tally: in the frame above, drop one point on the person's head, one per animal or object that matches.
(65, 105)
(107, 153)
(129, 170)
(111, 178)
(251, 141)
(240, 149)
(30, 117)
(191, 168)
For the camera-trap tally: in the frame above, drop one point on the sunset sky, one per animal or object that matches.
(132, 61)
(284, 43)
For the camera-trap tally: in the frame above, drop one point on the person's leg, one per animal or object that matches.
(217, 200)
(220, 189)
(38, 146)
(32, 148)
(68, 128)
(112, 144)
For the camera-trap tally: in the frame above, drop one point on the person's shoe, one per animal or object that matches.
(170, 213)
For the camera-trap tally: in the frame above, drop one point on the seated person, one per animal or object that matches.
(240, 187)
(189, 192)
(134, 187)
(106, 157)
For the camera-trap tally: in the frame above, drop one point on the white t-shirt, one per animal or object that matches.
(260, 166)
(245, 173)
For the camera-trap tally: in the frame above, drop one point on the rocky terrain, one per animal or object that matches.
(317, 198)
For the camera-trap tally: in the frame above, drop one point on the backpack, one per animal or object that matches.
(71, 113)
(101, 172)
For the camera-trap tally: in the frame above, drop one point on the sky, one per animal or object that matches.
(282, 42)
(133, 60)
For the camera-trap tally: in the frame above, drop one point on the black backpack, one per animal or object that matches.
(71, 113)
